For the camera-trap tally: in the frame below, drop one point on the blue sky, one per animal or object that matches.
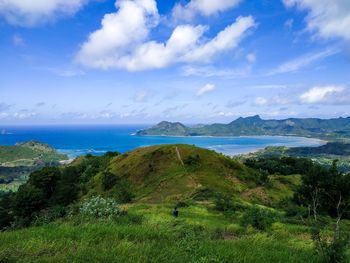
(198, 61)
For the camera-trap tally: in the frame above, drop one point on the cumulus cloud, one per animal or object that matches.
(34, 12)
(326, 94)
(303, 61)
(202, 7)
(120, 33)
(122, 41)
(205, 89)
(275, 100)
(326, 18)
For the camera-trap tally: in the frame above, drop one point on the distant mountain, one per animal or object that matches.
(165, 128)
(254, 126)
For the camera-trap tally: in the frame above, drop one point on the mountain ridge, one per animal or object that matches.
(255, 126)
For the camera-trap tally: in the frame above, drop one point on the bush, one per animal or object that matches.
(330, 250)
(108, 180)
(258, 218)
(99, 207)
(225, 203)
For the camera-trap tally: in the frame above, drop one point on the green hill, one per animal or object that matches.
(18, 161)
(251, 126)
(26, 154)
(117, 208)
(174, 173)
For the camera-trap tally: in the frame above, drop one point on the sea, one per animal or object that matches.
(81, 140)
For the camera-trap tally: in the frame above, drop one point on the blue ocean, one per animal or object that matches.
(80, 140)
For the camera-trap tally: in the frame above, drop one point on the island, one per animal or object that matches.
(328, 129)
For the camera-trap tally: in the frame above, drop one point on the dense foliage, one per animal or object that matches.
(52, 189)
(281, 165)
(259, 218)
(328, 187)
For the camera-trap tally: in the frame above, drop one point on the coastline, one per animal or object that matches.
(236, 149)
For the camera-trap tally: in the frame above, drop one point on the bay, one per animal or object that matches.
(80, 140)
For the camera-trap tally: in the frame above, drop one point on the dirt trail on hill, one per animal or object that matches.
(179, 156)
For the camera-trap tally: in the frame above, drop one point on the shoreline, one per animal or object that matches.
(309, 142)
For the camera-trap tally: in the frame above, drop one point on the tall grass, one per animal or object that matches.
(153, 236)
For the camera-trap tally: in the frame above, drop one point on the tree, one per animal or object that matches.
(327, 191)
(330, 185)
(108, 180)
(28, 201)
(67, 187)
(46, 180)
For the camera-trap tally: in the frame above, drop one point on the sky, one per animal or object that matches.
(194, 61)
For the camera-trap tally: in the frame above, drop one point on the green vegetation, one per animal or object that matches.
(324, 155)
(17, 162)
(117, 208)
(27, 154)
(317, 128)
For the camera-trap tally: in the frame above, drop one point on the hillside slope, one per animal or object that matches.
(18, 161)
(172, 173)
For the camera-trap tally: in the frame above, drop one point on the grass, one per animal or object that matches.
(148, 233)
(198, 235)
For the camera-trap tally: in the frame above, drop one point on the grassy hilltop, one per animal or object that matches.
(229, 211)
(18, 161)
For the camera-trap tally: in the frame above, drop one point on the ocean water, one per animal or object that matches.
(80, 140)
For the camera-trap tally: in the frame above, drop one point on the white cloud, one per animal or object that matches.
(202, 7)
(121, 32)
(34, 12)
(302, 62)
(21, 115)
(329, 18)
(205, 89)
(121, 42)
(211, 71)
(251, 57)
(327, 94)
(260, 101)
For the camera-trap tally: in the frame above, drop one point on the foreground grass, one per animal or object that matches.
(198, 235)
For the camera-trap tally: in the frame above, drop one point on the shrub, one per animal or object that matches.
(259, 218)
(99, 207)
(330, 250)
(225, 203)
(108, 180)
(192, 161)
